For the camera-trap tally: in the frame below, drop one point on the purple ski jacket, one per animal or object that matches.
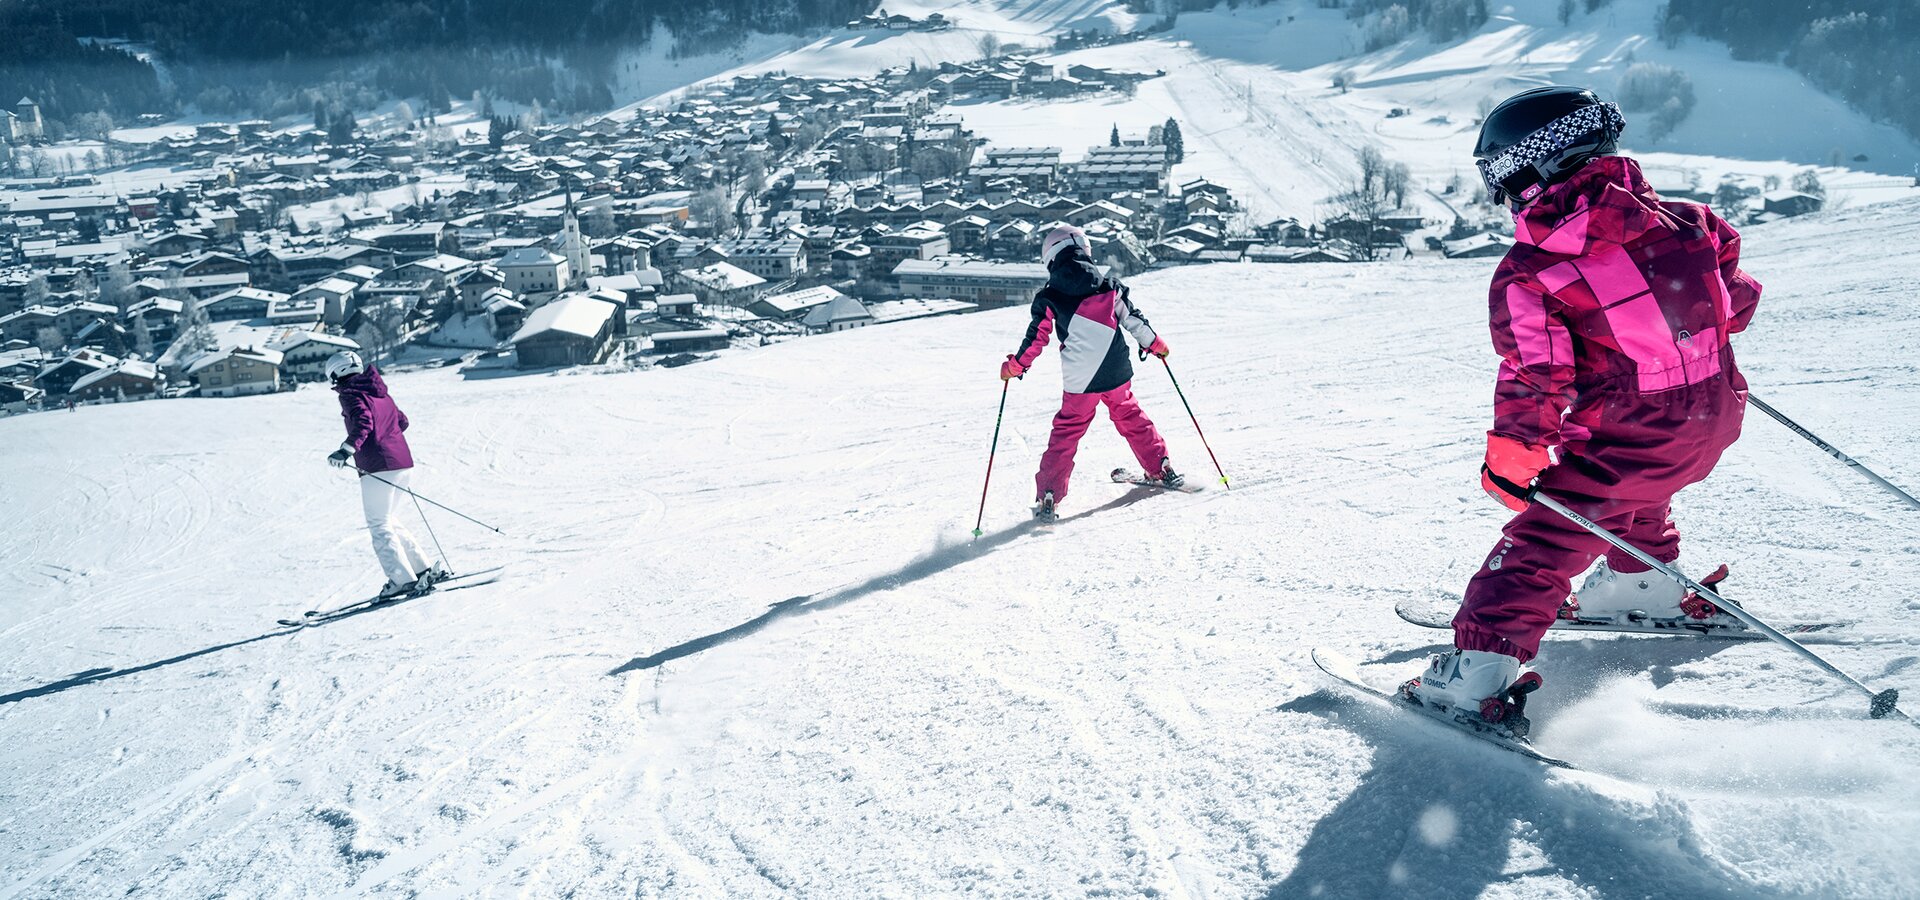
(374, 424)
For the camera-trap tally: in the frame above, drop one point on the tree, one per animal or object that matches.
(497, 130)
(116, 287)
(1664, 91)
(1113, 140)
(1395, 180)
(1566, 11)
(1807, 181)
(1175, 142)
(35, 292)
(1365, 206)
(1729, 197)
(1372, 164)
(989, 45)
(403, 113)
(322, 122)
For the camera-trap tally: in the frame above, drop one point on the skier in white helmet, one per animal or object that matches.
(376, 446)
(1088, 311)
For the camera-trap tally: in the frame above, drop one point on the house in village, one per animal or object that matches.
(793, 304)
(720, 284)
(127, 379)
(304, 355)
(697, 340)
(534, 270)
(571, 331)
(842, 314)
(236, 372)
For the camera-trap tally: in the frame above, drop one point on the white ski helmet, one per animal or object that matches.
(343, 364)
(1060, 239)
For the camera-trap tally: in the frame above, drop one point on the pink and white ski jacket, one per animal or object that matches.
(1089, 312)
(1610, 290)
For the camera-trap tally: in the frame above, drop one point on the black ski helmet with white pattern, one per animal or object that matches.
(1537, 138)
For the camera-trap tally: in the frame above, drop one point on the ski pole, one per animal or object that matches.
(423, 520)
(982, 517)
(1196, 422)
(1883, 702)
(417, 498)
(1833, 451)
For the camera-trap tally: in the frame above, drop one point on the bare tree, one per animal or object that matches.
(1365, 206)
(1372, 166)
(989, 44)
(1395, 181)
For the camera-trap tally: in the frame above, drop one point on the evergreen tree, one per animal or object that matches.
(321, 122)
(1176, 145)
(1113, 140)
(496, 132)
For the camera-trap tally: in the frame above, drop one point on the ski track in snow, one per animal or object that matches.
(744, 647)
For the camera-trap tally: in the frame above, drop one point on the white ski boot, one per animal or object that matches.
(1621, 597)
(1479, 689)
(1648, 598)
(1043, 512)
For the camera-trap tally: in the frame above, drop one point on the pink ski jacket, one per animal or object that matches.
(1610, 290)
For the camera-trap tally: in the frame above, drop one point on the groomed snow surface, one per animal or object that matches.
(745, 647)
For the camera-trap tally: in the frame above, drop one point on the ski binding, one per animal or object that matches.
(1132, 476)
(1468, 722)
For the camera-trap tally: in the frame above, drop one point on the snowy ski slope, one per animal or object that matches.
(744, 647)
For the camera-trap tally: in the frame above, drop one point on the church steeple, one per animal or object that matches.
(573, 245)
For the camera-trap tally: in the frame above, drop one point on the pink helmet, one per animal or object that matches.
(1060, 239)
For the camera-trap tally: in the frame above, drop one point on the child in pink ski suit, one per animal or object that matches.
(1612, 315)
(1088, 311)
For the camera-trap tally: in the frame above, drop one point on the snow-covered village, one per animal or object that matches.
(655, 448)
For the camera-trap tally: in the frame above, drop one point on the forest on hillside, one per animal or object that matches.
(1866, 51)
(248, 56)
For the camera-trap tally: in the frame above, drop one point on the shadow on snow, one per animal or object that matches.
(1437, 816)
(95, 676)
(924, 567)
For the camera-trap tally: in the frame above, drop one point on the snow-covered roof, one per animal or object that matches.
(315, 337)
(132, 367)
(527, 257)
(577, 315)
(723, 276)
(795, 301)
(844, 309)
(270, 357)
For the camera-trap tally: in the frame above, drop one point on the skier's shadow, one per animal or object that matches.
(924, 567)
(95, 676)
(1436, 816)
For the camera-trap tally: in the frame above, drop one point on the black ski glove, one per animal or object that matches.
(338, 458)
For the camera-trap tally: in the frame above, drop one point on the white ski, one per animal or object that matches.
(1130, 476)
(1347, 674)
(457, 582)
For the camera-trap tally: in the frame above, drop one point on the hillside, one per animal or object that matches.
(1254, 89)
(744, 647)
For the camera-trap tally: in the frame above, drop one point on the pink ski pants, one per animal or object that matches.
(1076, 413)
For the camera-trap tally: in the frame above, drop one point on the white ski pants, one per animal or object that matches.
(399, 553)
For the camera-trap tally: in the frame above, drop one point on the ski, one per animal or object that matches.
(1723, 628)
(1130, 476)
(1343, 671)
(454, 583)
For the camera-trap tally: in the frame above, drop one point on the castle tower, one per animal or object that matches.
(30, 126)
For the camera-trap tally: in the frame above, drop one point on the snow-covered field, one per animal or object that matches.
(744, 646)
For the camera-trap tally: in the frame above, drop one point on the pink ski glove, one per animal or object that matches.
(1159, 347)
(1517, 462)
(1011, 369)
